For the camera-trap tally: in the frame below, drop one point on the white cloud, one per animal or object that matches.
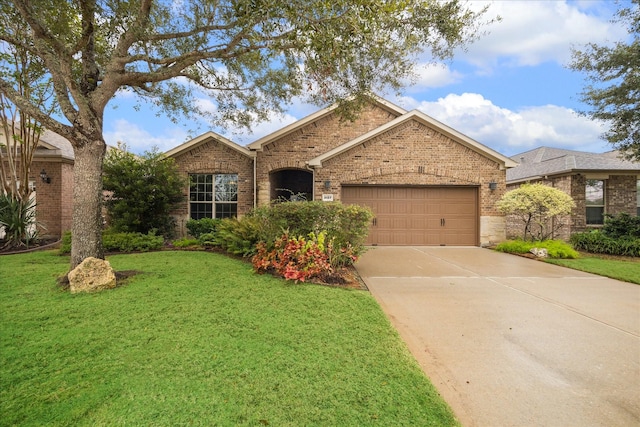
(432, 76)
(510, 132)
(139, 140)
(533, 32)
(274, 123)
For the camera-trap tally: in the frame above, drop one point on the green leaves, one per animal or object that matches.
(18, 221)
(142, 190)
(614, 76)
(536, 205)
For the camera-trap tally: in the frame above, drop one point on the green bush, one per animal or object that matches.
(18, 218)
(186, 243)
(65, 245)
(621, 226)
(346, 226)
(294, 258)
(198, 227)
(142, 191)
(598, 242)
(237, 236)
(555, 248)
(121, 242)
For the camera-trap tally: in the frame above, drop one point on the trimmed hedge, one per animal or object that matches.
(198, 227)
(120, 242)
(599, 243)
(344, 226)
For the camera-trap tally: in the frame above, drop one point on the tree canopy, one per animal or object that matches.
(536, 205)
(613, 90)
(142, 190)
(248, 57)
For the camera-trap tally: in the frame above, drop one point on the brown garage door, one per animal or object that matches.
(419, 215)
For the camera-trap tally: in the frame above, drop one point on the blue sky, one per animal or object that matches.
(510, 90)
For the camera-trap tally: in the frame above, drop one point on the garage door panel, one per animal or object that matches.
(419, 215)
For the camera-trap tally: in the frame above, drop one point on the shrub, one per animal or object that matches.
(536, 205)
(65, 245)
(345, 226)
(186, 243)
(621, 226)
(555, 248)
(143, 189)
(131, 242)
(238, 236)
(208, 239)
(598, 242)
(198, 227)
(18, 218)
(121, 242)
(297, 259)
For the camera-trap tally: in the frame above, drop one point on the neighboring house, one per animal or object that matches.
(599, 183)
(52, 178)
(426, 183)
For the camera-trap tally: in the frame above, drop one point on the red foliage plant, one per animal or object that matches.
(294, 258)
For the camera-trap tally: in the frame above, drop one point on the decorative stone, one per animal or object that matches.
(539, 252)
(92, 275)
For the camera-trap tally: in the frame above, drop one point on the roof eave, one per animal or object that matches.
(204, 138)
(258, 144)
(420, 116)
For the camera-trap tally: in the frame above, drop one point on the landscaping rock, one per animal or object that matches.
(92, 275)
(539, 252)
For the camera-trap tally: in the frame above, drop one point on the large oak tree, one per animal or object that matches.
(613, 90)
(249, 56)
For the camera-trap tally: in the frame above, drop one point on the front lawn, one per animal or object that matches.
(199, 339)
(625, 270)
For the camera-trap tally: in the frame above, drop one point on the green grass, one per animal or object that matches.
(198, 339)
(628, 271)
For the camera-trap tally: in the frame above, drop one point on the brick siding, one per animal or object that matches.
(620, 196)
(214, 157)
(292, 151)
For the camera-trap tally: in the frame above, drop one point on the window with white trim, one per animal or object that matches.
(595, 201)
(213, 195)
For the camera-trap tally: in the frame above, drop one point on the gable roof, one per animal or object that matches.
(380, 102)
(426, 120)
(205, 137)
(544, 161)
(58, 145)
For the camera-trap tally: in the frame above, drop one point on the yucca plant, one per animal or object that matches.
(18, 219)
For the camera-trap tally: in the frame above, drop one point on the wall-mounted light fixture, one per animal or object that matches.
(45, 178)
(493, 185)
(327, 184)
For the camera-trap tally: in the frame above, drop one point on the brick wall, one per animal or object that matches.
(415, 154)
(54, 200)
(214, 157)
(620, 196)
(292, 151)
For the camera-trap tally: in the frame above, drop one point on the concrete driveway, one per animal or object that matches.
(510, 341)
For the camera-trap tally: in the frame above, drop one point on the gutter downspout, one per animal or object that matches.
(255, 183)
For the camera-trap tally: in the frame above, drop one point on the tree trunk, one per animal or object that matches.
(86, 229)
